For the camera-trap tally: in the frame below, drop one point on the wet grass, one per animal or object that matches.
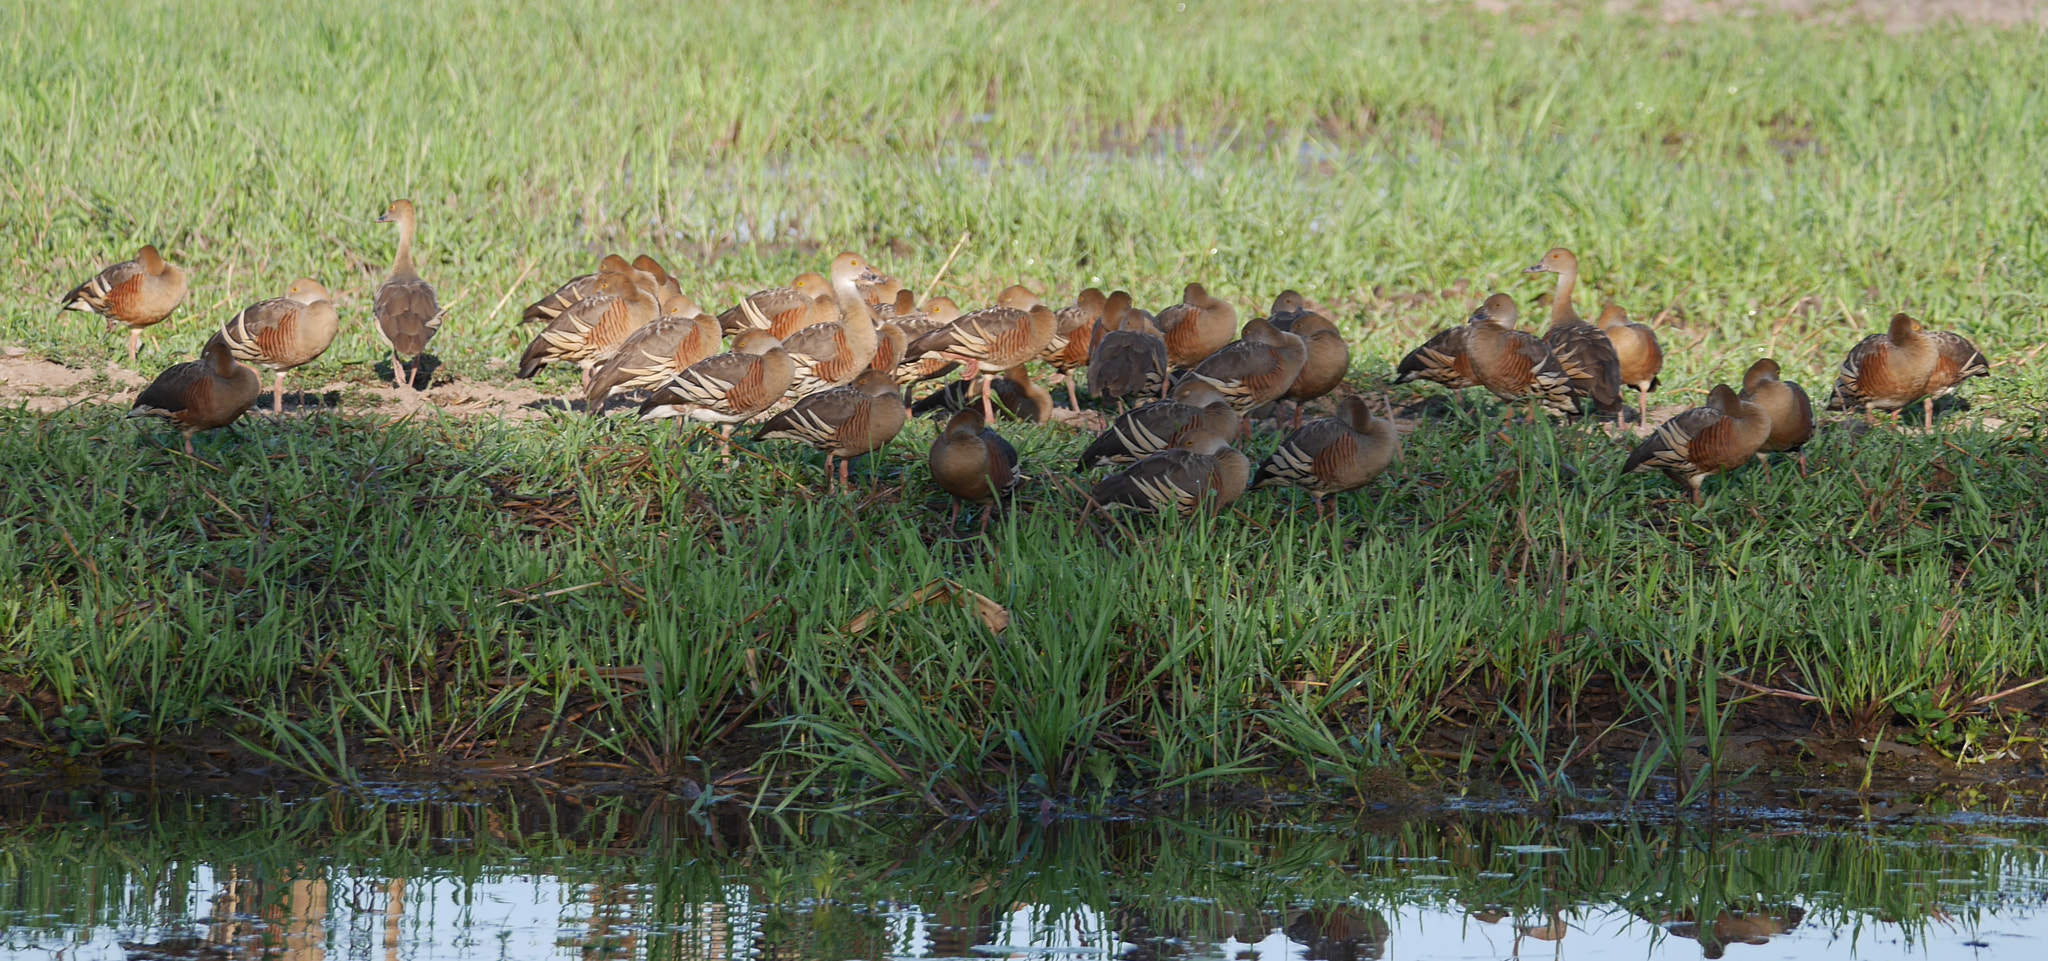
(563, 592)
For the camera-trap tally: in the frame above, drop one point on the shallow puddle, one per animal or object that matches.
(109, 875)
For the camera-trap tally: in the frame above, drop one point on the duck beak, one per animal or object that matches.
(869, 276)
(1536, 269)
(385, 218)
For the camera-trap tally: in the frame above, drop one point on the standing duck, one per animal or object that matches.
(1255, 369)
(1201, 471)
(1583, 351)
(283, 333)
(574, 289)
(1328, 359)
(992, 339)
(592, 329)
(1333, 454)
(843, 422)
(777, 308)
(1704, 441)
(972, 462)
(682, 336)
(408, 315)
(1195, 405)
(1636, 349)
(1072, 339)
(1511, 364)
(729, 388)
(201, 394)
(1790, 411)
(1890, 371)
(911, 369)
(1130, 359)
(137, 293)
(1196, 327)
(834, 352)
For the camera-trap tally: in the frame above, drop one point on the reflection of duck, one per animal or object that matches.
(1341, 933)
(1734, 927)
(1552, 930)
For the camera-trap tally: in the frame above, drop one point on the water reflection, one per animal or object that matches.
(169, 876)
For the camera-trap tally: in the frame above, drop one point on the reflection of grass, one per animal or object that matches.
(1199, 880)
(603, 592)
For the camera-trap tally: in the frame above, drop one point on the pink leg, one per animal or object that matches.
(277, 396)
(988, 407)
(135, 346)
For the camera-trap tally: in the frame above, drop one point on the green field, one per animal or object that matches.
(338, 583)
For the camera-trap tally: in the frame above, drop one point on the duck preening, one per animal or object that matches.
(1704, 441)
(202, 394)
(1196, 327)
(137, 293)
(1790, 411)
(1636, 350)
(1129, 358)
(1200, 472)
(1012, 332)
(843, 422)
(972, 462)
(1489, 352)
(1890, 371)
(1333, 455)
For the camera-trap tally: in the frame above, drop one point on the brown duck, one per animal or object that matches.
(1151, 428)
(1333, 454)
(993, 339)
(789, 309)
(1072, 339)
(1129, 359)
(1016, 397)
(1704, 441)
(844, 422)
(1511, 364)
(408, 315)
(1201, 471)
(1255, 369)
(972, 462)
(562, 298)
(591, 330)
(648, 357)
(137, 293)
(1635, 349)
(283, 333)
(1890, 371)
(910, 369)
(1196, 327)
(833, 353)
(1328, 359)
(1583, 352)
(1790, 411)
(201, 394)
(728, 388)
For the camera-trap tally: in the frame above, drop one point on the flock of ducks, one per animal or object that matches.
(832, 361)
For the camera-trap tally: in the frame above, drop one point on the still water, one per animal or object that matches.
(86, 875)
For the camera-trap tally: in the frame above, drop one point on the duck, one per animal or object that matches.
(788, 308)
(1512, 365)
(1148, 429)
(681, 336)
(972, 462)
(283, 333)
(1582, 350)
(843, 422)
(729, 388)
(889, 343)
(904, 305)
(833, 353)
(576, 288)
(1016, 396)
(1129, 359)
(993, 339)
(1256, 369)
(1196, 327)
(1635, 349)
(1790, 411)
(408, 314)
(1200, 472)
(591, 330)
(934, 314)
(1072, 339)
(204, 394)
(1890, 371)
(139, 293)
(1699, 443)
(1332, 455)
(1328, 359)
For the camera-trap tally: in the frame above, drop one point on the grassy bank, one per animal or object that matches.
(544, 594)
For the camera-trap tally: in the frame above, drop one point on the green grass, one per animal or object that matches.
(337, 584)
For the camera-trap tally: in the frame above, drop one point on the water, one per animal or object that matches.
(494, 875)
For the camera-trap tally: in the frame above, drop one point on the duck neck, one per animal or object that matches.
(401, 265)
(1561, 302)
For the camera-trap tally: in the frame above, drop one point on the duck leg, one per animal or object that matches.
(400, 377)
(1927, 413)
(134, 345)
(1801, 456)
(1765, 459)
(277, 395)
(988, 407)
(1643, 417)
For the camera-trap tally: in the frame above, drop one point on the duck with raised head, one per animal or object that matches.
(283, 333)
(1150, 428)
(729, 388)
(1328, 359)
(832, 353)
(591, 330)
(1636, 350)
(1256, 369)
(1072, 339)
(1332, 455)
(1130, 358)
(993, 339)
(1196, 327)
(408, 314)
(648, 357)
(843, 422)
(201, 394)
(972, 462)
(1890, 371)
(1790, 411)
(1699, 443)
(1200, 472)
(137, 293)
(1584, 352)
